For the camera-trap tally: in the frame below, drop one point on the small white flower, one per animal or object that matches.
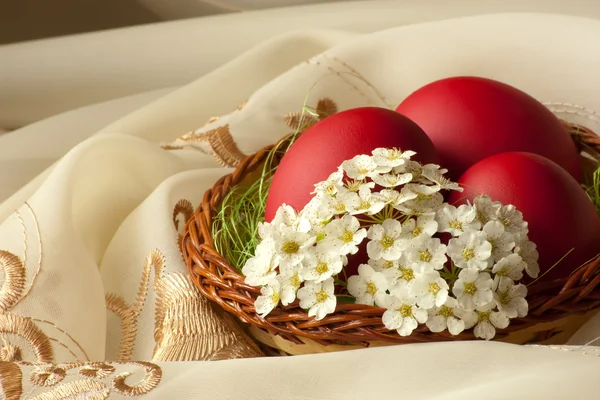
(291, 247)
(502, 242)
(269, 298)
(359, 167)
(318, 215)
(422, 191)
(333, 205)
(369, 287)
(428, 200)
(261, 268)
(473, 288)
(430, 289)
(449, 315)
(392, 180)
(318, 298)
(528, 252)
(395, 197)
(402, 312)
(411, 167)
(354, 186)
(510, 298)
(436, 175)
(457, 220)
(487, 210)
(345, 234)
(426, 253)
(486, 320)
(329, 187)
(265, 230)
(320, 264)
(289, 287)
(386, 159)
(385, 240)
(288, 217)
(415, 228)
(512, 219)
(364, 202)
(511, 267)
(397, 272)
(470, 250)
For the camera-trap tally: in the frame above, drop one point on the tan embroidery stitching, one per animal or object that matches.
(149, 382)
(103, 377)
(129, 314)
(211, 120)
(14, 280)
(47, 376)
(63, 346)
(92, 390)
(569, 108)
(188, 328)
(10, 352)
(25, 328)
(25, 246)
(39, 240)
(241, 106)
(218, 142)
(184, 208)
(224, 147)
(299, 122)
(97, 370)
(11, 379)
(66, 334)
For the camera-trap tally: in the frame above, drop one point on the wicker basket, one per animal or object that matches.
(556, 309)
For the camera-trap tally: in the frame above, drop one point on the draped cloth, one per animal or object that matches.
(95, 299)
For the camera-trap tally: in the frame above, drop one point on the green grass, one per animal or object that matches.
(235, 226)
(593, 190)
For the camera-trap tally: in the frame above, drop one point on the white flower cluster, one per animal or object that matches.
(396, 206)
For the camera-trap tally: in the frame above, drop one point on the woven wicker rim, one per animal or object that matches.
(354, 323)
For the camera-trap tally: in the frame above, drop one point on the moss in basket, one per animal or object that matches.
(235, 225)
(593, 190)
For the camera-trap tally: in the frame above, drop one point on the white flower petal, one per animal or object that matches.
(392, 319)
(484, 330)
(436, 323)
(455, 325)
(407, 327)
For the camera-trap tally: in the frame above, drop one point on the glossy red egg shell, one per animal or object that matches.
(559, 213)
(323, 147)
(471, 118)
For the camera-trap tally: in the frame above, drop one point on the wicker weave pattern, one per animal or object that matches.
(360, 324)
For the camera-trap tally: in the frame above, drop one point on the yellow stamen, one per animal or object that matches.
(295, 281)
(468, 254)
(321, 268)
(387, 242)
(434, 288)
(275, 298)
(405, 310)
(322, 296)
(347, 237)
(371, 288)
(470, 288)
(407, 274)
(290, 247)
(446, 311)
(425, 256)
(455, 225)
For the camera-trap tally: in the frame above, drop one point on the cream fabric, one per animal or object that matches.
(94, 237)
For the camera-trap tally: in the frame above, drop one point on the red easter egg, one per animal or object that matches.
(560, 215)
(471, 118)
(319, 151)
